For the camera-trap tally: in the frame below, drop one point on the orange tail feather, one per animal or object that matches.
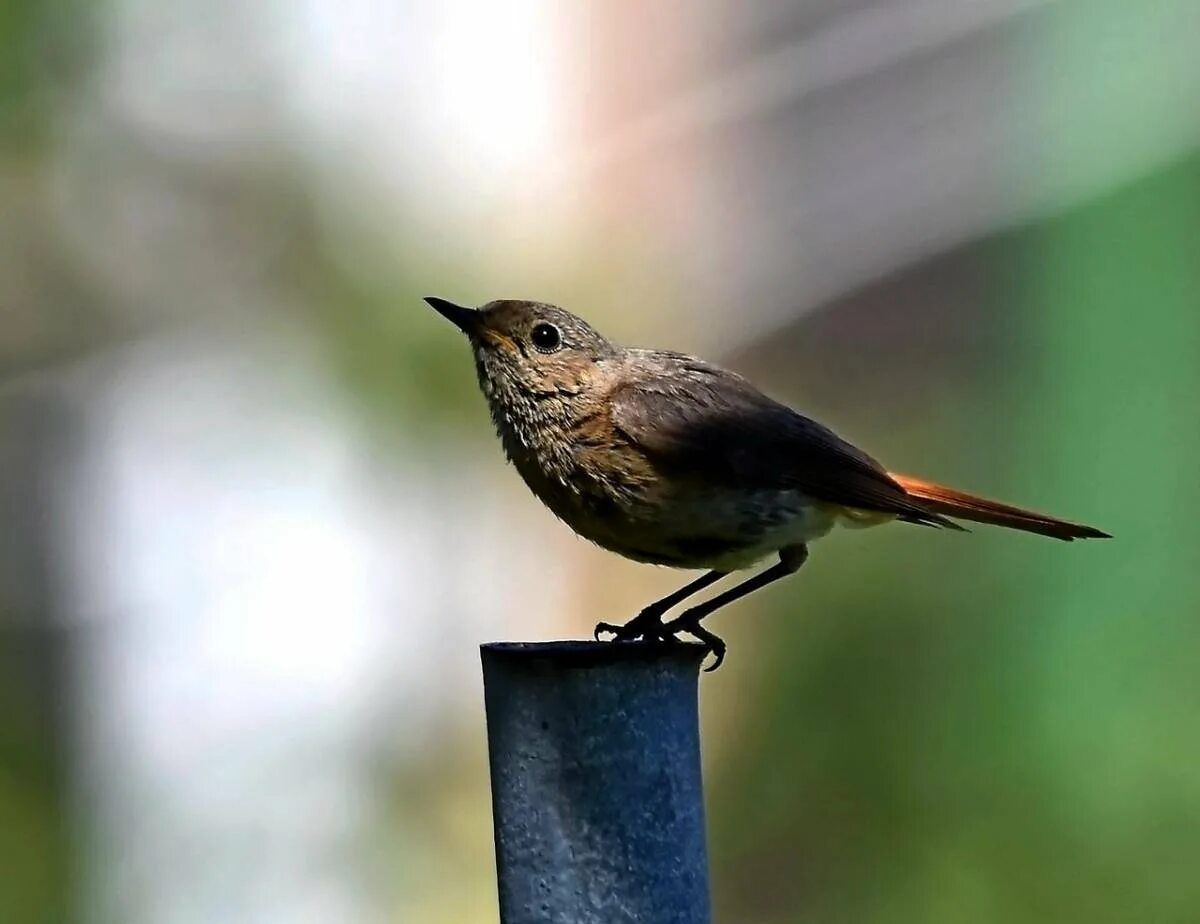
(947, 501)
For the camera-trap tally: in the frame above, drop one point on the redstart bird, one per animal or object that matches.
(667, 459)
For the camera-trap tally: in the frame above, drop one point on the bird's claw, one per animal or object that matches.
(714, 644)
(645, 625)
(653, 630)
(691, 625)
(613, 630)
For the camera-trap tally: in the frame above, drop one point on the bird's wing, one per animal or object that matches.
(690, 417)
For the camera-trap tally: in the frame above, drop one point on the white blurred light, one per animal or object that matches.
(448, 105)
(491, 87)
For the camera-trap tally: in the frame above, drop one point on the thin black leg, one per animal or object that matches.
(648, 623)
(790, 560)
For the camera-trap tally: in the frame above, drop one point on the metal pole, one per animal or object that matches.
(596, 795)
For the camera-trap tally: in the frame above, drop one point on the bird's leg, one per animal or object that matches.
(790, 560)
(648, 623)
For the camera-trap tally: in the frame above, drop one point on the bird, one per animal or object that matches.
(667, 459)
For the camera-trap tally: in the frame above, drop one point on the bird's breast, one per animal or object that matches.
(713, 528)
(727, 530)
(619, 499)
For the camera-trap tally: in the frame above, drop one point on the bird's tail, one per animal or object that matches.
(948, 502)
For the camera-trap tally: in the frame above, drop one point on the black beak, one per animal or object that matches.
(465, 319)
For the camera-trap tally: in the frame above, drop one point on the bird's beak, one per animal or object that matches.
(465, 319)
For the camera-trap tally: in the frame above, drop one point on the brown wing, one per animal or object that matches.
(691, 418)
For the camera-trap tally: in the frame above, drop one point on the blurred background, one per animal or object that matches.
(255, 523)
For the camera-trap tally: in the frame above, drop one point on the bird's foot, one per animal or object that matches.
(690, 623)
(646, 625)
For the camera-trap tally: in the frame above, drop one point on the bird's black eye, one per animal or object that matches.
(546, 337)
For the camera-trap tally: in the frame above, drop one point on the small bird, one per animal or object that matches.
(667, 459)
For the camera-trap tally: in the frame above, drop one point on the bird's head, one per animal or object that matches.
(528, 348)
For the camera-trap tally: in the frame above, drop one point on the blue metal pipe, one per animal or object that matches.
(596, 793)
